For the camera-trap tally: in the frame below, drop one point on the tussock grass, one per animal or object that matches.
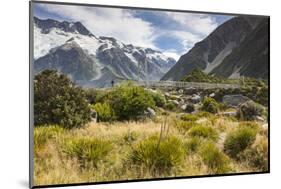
(156, 155)
(238, 140)
(204, 132)
(216, 160)
(131, 150)
(86, 149)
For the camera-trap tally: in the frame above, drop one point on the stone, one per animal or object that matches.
(151, 112)
(94, 115)
(259, 118)
(180, 91)
(195, 98)
(188, 108)
(234, 100)
(212, 95)
(175, 102)
(228, 113)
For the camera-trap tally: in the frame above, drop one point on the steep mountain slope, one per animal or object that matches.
(93, 61)
(209, 54)
(250, 58)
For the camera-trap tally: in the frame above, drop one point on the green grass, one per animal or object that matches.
(86, 149)
(158, 156)
(204, 132)
(238, 140)
(216, 160)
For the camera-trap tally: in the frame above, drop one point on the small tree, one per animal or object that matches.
(58, 101)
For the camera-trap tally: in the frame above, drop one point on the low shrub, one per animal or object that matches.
(203, 114)
(86, 150)
(210, 105)
(249, 110)
(183, 126)
(238, 140)
(104, 111)
(216, 160)
(257, 155)
(189, 117)
(159, 157)
(44, 133)
(249, 124)
(204, 132)
(189, 108)
(159, 99)
(192, 145)
(170, 106)
(130, 136)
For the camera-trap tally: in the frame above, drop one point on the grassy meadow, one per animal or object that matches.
(148, 149)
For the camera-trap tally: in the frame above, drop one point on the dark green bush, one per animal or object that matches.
(58, 101)
(249, 110)
(159, 157)
(104, 111)
(158, 99)
(210, 105)
(216, 160)
(189, 108)
(170, 106)
(204, 132)
(238, 140)
(129, 101)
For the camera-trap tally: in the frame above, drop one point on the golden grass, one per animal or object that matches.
(53, 166)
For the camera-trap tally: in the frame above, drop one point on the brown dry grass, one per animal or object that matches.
(53, 166)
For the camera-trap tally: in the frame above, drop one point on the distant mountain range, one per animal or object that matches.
(72, 49)
(238, 47)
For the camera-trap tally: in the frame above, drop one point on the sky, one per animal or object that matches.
(173, 33)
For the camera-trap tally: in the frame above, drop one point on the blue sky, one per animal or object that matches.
(173, 33)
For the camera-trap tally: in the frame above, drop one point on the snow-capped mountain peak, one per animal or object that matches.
(110, 56)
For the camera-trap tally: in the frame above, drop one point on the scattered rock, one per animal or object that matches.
(180, 91)
(259, 118)
(94, 115)
(212, 95)
(175, 102)
(195, 98)
(188, 108)
(228, 113)
(151, 112)
(234, 100)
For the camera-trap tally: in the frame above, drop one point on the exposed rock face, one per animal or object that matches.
(234, 100)
(231, 50)
(250, 58)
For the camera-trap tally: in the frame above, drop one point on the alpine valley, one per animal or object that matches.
(92, 61)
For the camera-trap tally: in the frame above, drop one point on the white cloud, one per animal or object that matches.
(172, 53)
(124, 26)
(197, 23)
(113, 22)
(187, 39)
